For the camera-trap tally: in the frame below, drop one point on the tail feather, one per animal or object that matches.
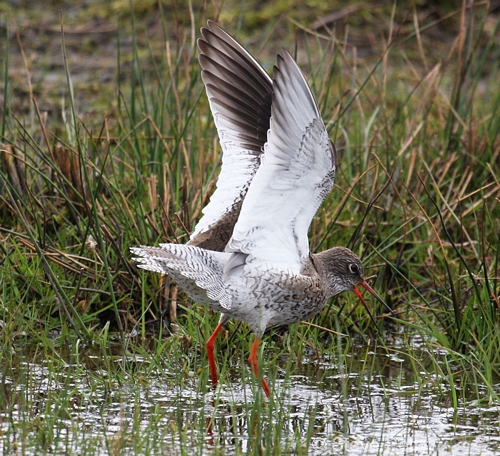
(197, 271)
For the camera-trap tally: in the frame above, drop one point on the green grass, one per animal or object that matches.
(412, 104)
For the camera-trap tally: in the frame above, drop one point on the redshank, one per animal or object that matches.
(249, 256)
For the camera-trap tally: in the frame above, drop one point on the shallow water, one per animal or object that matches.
(320, 409)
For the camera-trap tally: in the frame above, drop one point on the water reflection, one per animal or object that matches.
(325, 407)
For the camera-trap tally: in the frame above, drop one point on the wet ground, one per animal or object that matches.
(323, 408)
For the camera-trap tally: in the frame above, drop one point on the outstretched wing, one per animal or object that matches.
(296, 175)
(240, 95)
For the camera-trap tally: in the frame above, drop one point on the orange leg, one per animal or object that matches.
(210, 352)
(252, 359)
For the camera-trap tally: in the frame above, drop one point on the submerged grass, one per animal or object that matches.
(415, 118)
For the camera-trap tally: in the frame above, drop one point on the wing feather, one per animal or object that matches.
(240, 96)
(296, 175)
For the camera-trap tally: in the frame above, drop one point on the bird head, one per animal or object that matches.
(345, 272)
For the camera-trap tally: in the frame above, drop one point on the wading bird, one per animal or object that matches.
(249, 256)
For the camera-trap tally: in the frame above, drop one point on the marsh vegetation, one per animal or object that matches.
(107, 142)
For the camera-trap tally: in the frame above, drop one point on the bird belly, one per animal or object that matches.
(263, 296)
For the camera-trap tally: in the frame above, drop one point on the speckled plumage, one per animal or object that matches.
(257, 294)
(249, 257)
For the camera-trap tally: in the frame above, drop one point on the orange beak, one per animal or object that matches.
(372, 291)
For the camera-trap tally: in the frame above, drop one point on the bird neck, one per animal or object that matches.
(320, 262)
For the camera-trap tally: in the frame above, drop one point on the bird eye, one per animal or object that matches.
(353, 267)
